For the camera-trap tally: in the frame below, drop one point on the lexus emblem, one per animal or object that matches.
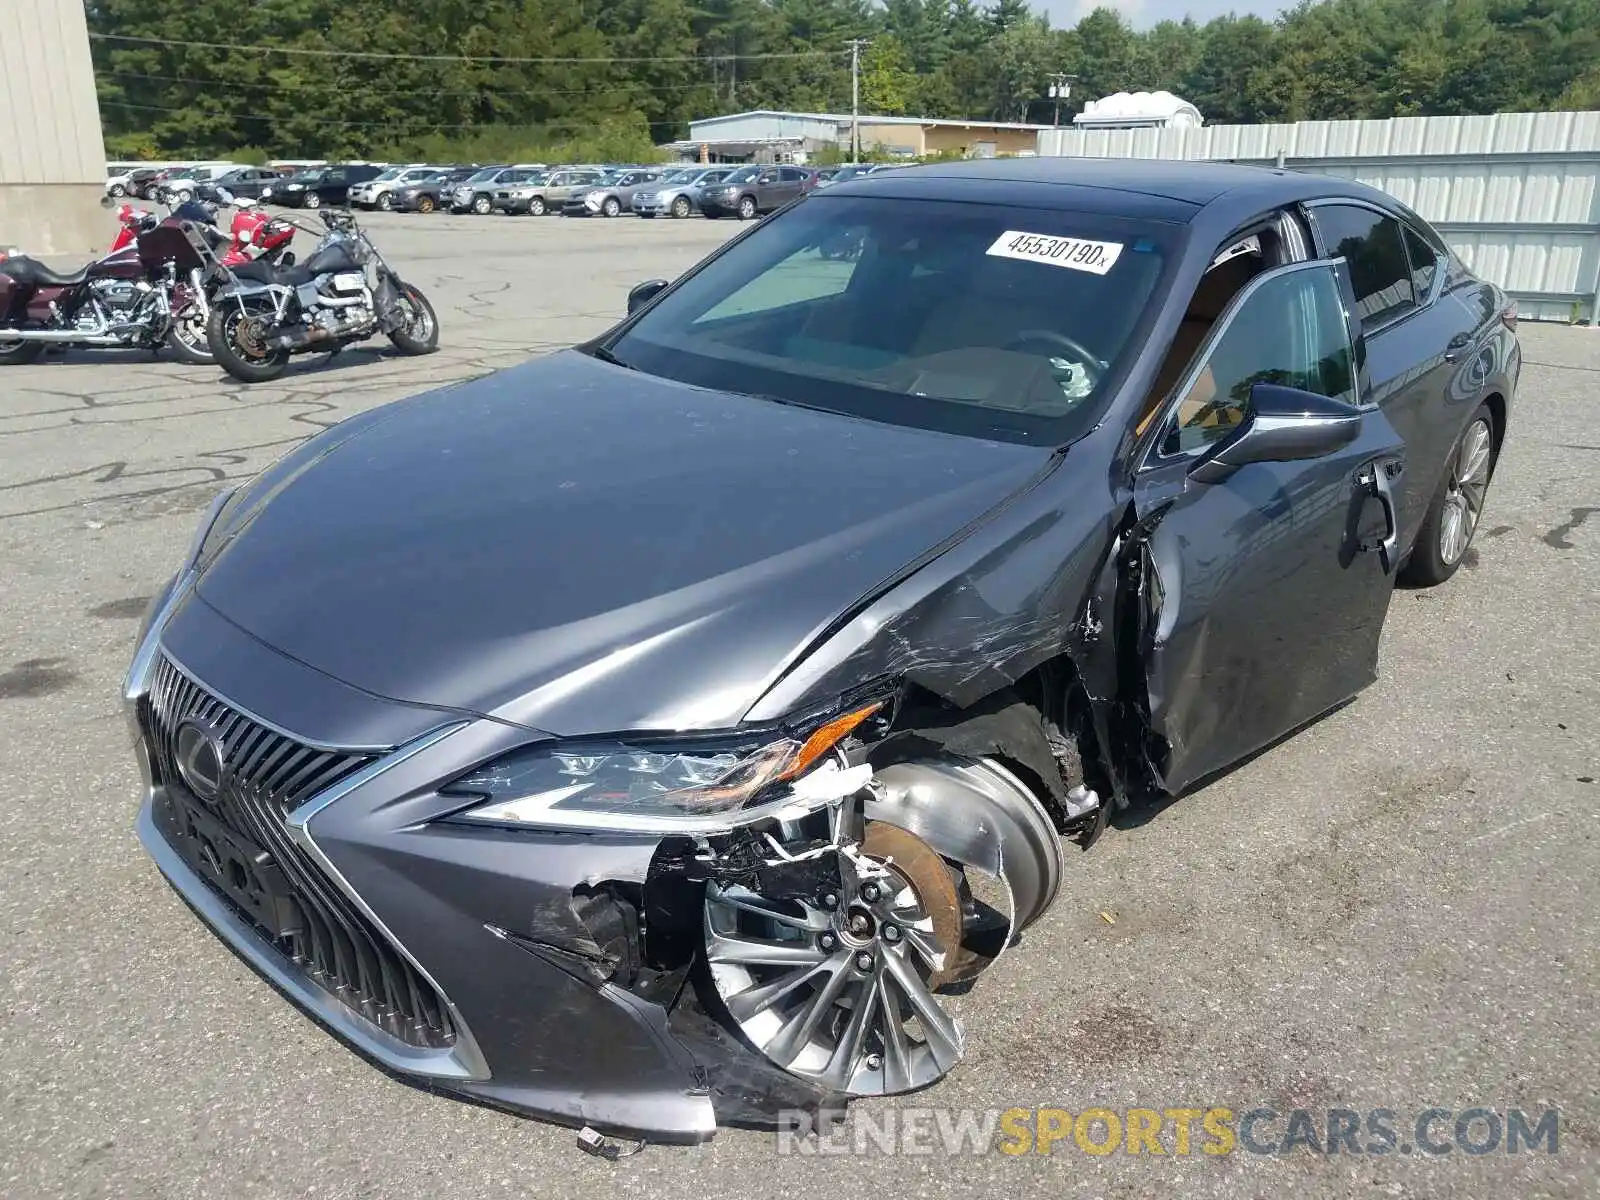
(197, 754)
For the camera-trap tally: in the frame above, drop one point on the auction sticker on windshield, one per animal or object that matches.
(1078, 254)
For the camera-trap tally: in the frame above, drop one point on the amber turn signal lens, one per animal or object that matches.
(826, 738)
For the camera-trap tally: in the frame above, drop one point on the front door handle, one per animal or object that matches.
(1457, 346)
(1375, 478)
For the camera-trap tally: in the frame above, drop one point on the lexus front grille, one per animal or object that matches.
(288, 898)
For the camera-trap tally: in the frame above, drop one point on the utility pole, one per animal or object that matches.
(855, 97)
(1060, 89)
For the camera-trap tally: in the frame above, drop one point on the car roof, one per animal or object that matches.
(1165, 189)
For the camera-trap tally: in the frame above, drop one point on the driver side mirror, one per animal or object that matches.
(1282, 424)
(643, 293)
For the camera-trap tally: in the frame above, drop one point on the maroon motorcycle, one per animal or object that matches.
(148, 293)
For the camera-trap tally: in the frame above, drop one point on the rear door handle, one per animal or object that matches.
(1457, 346)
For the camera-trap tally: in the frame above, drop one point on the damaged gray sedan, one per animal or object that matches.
(655, 735)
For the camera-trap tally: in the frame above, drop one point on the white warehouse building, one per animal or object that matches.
(767, 135)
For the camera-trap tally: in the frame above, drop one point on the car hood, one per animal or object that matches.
(582, 548)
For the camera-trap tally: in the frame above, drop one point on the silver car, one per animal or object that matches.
(678, 194)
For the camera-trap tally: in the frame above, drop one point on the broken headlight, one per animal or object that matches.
(615, 787)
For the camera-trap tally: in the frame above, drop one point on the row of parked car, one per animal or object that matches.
(603, 190)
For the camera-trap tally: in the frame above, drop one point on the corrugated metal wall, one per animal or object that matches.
(1516, 194)
(49, 117)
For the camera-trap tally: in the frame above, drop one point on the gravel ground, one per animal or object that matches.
(1396, 909)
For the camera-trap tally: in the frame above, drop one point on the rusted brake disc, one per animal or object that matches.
(920, 865)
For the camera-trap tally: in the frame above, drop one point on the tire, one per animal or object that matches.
(411, 340)
(481, 205)
(747, 208)
(425, 204)
(386, 202)
(536, 207)
(184, 196)
(1453, 514)
(313, 200)
(612, 207)
(189, 338)
(117, 191)
(680, 207)
(222, 331)
(19, 354)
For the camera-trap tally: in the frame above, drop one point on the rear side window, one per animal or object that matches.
(1373, 245)
(1424, 263)
(792, 174)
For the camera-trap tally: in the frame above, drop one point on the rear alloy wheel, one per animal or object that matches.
(747, 208)
(481, 205)
(680, 207)
(1452, 518)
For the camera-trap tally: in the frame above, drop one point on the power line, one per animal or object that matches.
(399, 124)
(231, 85)
(316, 52)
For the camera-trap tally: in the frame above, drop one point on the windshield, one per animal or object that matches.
(483, 176)
(849, 173)
(743, 175)
(998, 322)
(385, 176)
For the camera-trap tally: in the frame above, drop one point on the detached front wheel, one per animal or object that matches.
(238, 339)
(419, 334)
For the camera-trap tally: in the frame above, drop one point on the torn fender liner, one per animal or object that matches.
(1002, 726)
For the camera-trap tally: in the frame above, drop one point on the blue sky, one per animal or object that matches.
(1145, 13)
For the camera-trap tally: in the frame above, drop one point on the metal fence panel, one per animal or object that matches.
(1516, 194)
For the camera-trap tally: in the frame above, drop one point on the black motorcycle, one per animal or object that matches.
(343, 292)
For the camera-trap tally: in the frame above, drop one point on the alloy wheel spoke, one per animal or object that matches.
(751, 903)
(943, 1037)
(1474, 458)
(796, 1032)
(896, 1049)
(852, 1043)
(762, 996)
(759, 952)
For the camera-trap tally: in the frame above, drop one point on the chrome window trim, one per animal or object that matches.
(1152, 455)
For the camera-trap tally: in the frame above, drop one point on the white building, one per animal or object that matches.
(52, 160)
(1139, 110)
(766, 135)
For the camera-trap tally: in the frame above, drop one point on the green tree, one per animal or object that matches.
(888, 83)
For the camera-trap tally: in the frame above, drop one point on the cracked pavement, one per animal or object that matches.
(1396, 908)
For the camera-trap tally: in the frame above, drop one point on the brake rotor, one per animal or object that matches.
(922, 868)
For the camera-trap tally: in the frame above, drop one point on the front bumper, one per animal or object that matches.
(532, 1014)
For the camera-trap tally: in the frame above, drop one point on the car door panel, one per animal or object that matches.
(1261, 597)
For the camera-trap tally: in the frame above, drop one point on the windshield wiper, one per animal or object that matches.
(606, 356)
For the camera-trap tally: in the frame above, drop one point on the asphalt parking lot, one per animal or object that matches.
(1396, 909)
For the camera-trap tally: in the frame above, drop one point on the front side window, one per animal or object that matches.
(1290, 330)
(1371, 243)
(981, 319)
